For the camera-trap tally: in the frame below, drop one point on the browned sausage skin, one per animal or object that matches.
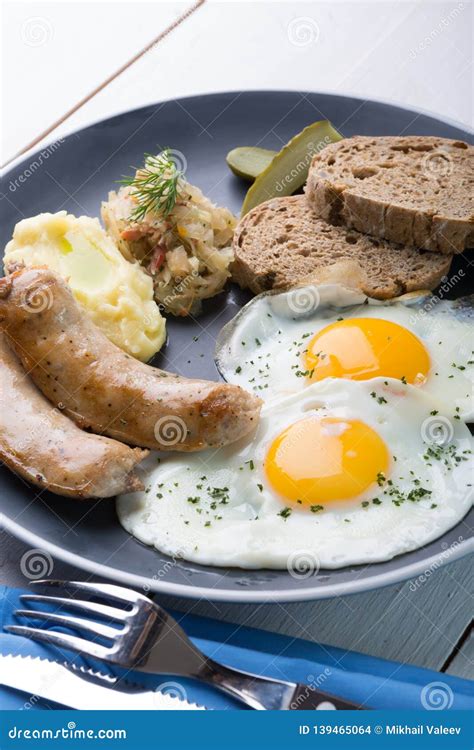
(46, 448)
(105, 390)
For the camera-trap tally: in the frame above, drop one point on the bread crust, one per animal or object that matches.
(282, 243)
(413, 190)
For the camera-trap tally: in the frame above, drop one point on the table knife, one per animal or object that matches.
(83, 689)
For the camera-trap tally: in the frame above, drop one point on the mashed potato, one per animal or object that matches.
(117, 294)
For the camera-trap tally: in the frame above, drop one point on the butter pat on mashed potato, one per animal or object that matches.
(116, 293)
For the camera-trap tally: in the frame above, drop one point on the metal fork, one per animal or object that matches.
(136, 633)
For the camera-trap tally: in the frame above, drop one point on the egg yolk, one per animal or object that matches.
(319, 460)
(363, 348)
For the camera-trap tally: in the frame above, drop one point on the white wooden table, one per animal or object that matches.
(417, 54)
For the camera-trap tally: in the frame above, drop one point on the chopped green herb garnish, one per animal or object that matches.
(381, 479)
(155, 186)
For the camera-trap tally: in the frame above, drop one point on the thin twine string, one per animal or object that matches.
(177, 22)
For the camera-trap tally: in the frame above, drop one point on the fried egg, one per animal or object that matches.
(332, 476)
(280, 343)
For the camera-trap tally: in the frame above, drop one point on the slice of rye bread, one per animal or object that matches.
(282, 244)
(416, 190)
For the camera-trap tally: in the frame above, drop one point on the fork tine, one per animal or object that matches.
(62, 640)
(95, 628)
(104, 590)
(111, 613)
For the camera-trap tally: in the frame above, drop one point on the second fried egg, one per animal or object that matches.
(332, 473)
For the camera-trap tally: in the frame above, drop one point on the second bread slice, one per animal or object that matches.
(281, 243)
(416, 190)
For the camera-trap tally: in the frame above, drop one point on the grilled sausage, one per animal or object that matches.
(105, 390)
(46, 448)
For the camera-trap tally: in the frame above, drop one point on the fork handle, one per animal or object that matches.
(261, 693)
(267, 694)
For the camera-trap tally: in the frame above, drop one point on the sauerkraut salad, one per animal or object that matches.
(181, 238)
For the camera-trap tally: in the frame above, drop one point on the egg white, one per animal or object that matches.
(260, 349)
(247, 530)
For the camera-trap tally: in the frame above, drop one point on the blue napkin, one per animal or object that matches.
(377, 683)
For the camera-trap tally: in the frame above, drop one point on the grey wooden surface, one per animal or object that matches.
(463, 660)
(418, 623)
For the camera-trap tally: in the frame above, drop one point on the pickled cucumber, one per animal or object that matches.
(249, 161)
(288, 169)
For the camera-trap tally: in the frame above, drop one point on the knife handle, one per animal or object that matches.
(306, 698)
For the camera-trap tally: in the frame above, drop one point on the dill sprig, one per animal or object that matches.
(155, 186)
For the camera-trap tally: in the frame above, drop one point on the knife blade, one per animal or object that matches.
(83, 689)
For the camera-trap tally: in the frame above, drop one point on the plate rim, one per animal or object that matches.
(371, 583)
(311, 593)
(38, 147)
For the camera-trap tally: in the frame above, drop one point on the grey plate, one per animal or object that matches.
(76, 175)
